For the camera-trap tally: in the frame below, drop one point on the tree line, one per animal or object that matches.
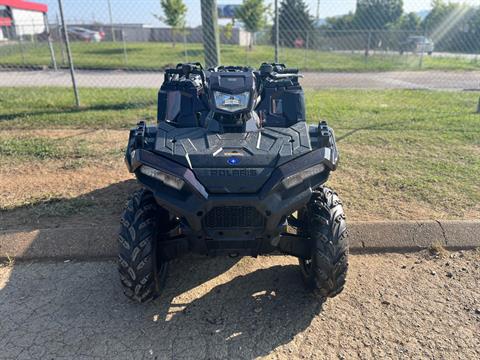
(452, 26)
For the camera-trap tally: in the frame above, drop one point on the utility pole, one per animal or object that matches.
(318, 10)
(211, 38)
(111, 20)
(69, 53)
(277, 36)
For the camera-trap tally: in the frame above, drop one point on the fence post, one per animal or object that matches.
(185, 44)
(111, 20)
(211, 39)
(277, 36)
(60, 39)
(367, 49)
(420, 62)
(32, 39)
(478, 106)
(49, 39)
(22, 52)
(305, 51)
(69, 53)
(246, 47)
(125, 56)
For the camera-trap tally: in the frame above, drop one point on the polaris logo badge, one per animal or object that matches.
(233, 161)
(233, 172)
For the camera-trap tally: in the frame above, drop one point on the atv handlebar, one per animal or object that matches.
(185, 70)
(289, 70)
(284, 76)
(273, 71)
(276, 71)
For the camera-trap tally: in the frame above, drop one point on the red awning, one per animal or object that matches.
(4, 21)
(25, 5)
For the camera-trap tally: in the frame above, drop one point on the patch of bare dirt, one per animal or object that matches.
(42, 193)
(37, 196)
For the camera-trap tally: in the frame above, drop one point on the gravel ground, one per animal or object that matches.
(410, 306)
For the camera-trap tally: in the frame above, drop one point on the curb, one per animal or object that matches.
(100, 241)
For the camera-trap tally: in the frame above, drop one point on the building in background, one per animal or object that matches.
(149, 33)
(20, 18)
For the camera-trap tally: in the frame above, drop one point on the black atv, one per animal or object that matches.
(232, 168)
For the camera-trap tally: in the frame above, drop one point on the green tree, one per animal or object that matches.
(228, 31)
(410, 22)
(453, 27)
(439, 15)
(344, 22)
(253, 15)
(294, 22)
(473, 32)
(405, 26)
(174, 15)
(377, 14)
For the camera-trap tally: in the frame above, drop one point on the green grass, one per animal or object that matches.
(403, 152)
(53, 107)
(37, 147)
(159, 55)
(42, 148)
(416, 147)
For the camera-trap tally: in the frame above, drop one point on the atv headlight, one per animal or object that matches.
(298, 178)
(231, 102)
(167, 179)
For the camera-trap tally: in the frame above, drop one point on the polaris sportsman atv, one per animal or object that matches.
(232, 168)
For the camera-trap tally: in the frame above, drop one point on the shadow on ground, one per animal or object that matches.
(73, 110)
(211, 308)
(114, 51)
(98, 207)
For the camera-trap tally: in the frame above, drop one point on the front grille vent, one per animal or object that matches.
(233, 217)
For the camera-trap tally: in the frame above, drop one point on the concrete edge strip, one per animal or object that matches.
(89, 242)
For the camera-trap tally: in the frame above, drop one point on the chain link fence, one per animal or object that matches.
(405, 154)
(120, 43)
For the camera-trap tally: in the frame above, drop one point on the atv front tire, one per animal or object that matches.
(324, 223)
(142, 273)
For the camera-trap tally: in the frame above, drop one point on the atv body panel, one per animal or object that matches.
(209, 154)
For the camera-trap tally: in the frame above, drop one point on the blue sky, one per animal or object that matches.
(141, 11)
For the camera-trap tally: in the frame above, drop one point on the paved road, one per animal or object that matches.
(382, 80)
(395, 306)
(412, 55)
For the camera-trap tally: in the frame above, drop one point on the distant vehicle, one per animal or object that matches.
(87, 35)
(417, 44)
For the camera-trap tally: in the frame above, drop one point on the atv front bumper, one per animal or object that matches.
(247, 224)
